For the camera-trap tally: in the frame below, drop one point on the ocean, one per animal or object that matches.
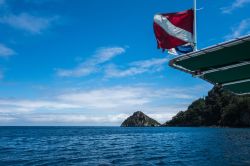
(123, 146)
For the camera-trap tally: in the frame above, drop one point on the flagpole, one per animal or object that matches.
(195, 28)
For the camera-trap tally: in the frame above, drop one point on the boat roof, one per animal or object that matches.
(226, 64)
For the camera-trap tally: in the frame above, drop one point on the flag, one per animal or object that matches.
(174, 29)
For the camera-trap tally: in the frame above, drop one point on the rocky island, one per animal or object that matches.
(139, 119)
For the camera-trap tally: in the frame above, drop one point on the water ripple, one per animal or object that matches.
(106, 146)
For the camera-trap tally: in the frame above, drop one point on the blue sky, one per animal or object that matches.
(95, 62)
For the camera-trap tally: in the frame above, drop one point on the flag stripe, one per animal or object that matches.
(164, 40)
(173, 30)
(183, 20)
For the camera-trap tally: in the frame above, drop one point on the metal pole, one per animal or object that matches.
(195, 28)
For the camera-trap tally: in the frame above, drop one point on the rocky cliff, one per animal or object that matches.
(139, 119)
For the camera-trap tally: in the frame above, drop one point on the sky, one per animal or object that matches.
(94, 63)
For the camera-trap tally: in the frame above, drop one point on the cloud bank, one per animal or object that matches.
(113, 105)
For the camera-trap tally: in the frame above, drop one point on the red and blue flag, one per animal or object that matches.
(174, 31)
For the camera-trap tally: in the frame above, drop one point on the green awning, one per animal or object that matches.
(229, 75)
(239, 88)
(226, 64)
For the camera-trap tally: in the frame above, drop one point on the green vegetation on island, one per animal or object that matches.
(218, 108)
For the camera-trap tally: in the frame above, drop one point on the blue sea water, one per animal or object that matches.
(123, 146)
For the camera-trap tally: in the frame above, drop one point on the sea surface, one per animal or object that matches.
(123, 146)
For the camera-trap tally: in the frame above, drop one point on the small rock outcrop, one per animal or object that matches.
(139, 119)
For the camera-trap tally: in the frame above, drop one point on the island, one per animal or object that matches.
(219, 108)
(139, 119)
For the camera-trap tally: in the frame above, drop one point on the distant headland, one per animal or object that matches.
(218, 108)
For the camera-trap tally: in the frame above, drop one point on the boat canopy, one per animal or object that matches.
(226, 64)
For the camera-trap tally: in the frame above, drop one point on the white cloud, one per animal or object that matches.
(105, 54)
(81, 70)
(114, 71)
(137, 67)
(239, 30)
(124, 97)
(14, 109)
(14, 105)
(150, 63)
(235, 5)
(116, 97)
(92, 65)
(27, 22)
(97, 64)
(6, 119)
(5, 51)
(78, 118)
(97, 99)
